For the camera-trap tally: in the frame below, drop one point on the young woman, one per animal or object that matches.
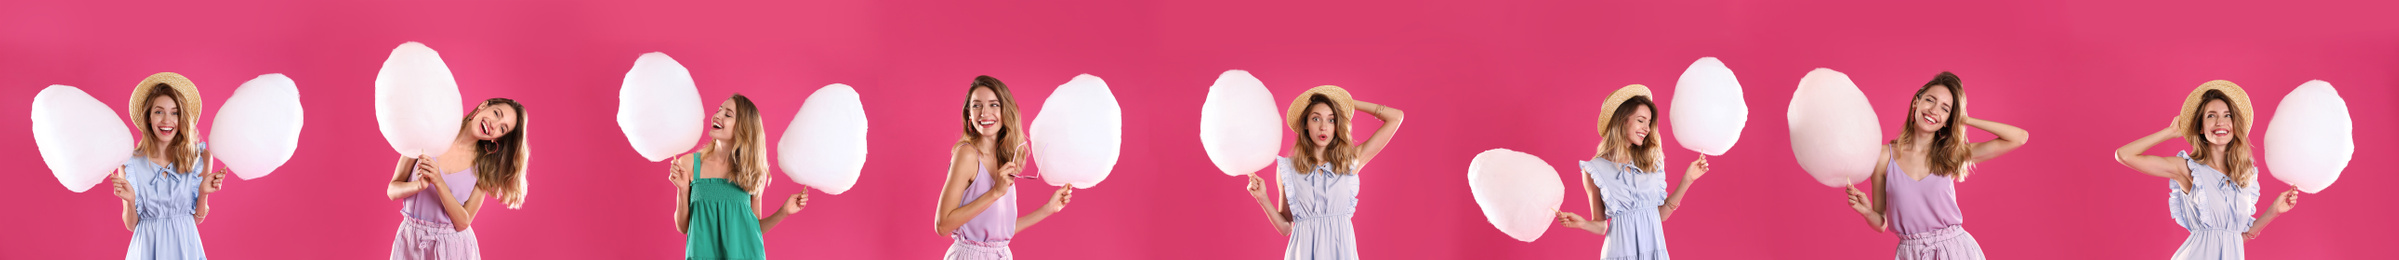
(163, 188)
(2214, 204)
(718, 212)
(1914, 190)
(1624, 180)
(1320, 179)
(978, 201)
(444, 190)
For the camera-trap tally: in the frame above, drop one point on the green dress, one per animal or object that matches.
(722, 225)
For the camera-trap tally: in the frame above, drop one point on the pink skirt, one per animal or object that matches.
(1950, 243)
(419, 239)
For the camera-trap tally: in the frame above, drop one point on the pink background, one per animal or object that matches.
(2083, 76)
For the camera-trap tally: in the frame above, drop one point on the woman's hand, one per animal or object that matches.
(797, 201)
(1007, 177)
(1059, 199)
(1698, 167)
(426, 172)
(118, 185)
(1257, 187)
(1858, 201)
(2284, 203)
(1570, 220)
(679, 175)
(212, 182)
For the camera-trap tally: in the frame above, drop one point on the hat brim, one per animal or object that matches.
(1296, 116)
(190, 104)
(2240, 102)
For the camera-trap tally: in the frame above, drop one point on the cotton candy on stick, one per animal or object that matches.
(1518, 192)
(1709, 111)
(658, 107)
(80, 139)
(825, 146)
(416, 101)
(1833, 130)
(2310, 140)
(1078, 134)
(1239, 127)
(258, 128)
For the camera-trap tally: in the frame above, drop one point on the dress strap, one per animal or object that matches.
(696, 161)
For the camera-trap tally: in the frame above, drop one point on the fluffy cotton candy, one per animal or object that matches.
(80, 139)
(658, 106)
(1239, 126)
(1518, 192)
(2309, 142)
(1078, 134)
(258, 128)
(825, 146)
(1709, 111)
(416, 101)
(1833, 130)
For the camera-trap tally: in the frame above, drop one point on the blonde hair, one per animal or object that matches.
(179, 149)
(1338, 152)
(2236, 150)
(503, 174)
(1949, 150)
(748, 160)
(1645, 155)
(1008, 134)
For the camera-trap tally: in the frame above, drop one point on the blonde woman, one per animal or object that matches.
(718, 211)
(978, 200)
(1915, 192)
(1320, 179)
(441, 192)
(2213, 203)
(164, 188)
(1626, 183)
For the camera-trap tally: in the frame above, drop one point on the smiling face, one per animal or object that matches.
(720, 126)
(1321, 120)
(2216, 122)
(1637, 125)
(491, 121)
(165, 117)
(983, 108)
(1932, 110)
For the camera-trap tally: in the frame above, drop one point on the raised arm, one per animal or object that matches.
(125, 194)
(1057, 203)
(2160, 166)
(1690, 175)
(403, 185)
(2009, 139)
(1278, 213)
(1872, 209)
(678, 171)
(947, 218)
(2283, 203)
(1391, 118)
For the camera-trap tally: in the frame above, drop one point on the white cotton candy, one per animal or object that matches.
(1239, 126)
(258, 128)
(1833, 130)
(1708, 110)
(416, 101)
(1078, 134)
(659, 109)
(1518, 192)
(825, 146)
(80, 139)
(2310, 140)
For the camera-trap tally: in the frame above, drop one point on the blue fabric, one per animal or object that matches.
(2214, 209)
(165, 200)
(1631, 198)
(1321, 204)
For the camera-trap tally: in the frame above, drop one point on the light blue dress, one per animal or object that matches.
(1631, 198)
(165, 201)
(2214, 209)
(1321, 204)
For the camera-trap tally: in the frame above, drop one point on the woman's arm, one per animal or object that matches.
(1597, 224)
(1872, 210)
(1057, 203)
(2160, 166)
(1391, 118)
(1277, 213)
(791, 206)
(2009, 139)
(948, 218)
(1675, 200)
(2283, 203)
(402, 185)
(461, 216)
(125, 195)
(678, 171)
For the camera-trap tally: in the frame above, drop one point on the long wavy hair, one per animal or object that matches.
(500, 168)
(1339, 152)
(2236, 150)
(748, 161)
(179, 149)
(1008, 134)
(1645, 155)
(1949, 150)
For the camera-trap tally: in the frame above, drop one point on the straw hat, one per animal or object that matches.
(189, 103)
(1297, 115)
(1608, 108)
(2240, 102)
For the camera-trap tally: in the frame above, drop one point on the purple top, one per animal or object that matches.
(1920, 205)
(998, 222)
(426, 206)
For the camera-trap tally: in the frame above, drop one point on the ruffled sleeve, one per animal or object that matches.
(1615, 186)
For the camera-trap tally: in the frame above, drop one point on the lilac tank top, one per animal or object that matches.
(426, 206)
(998, 222)
(1920, 205)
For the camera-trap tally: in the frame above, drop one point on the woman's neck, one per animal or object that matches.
(1919, 141)
(2215, 159)
(988, 145)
